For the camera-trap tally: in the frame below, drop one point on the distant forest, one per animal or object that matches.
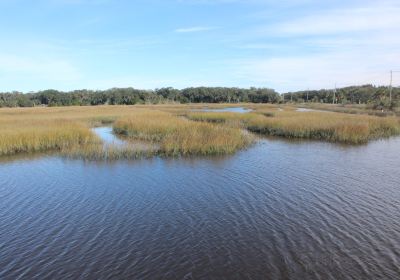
(366, 94)
(131, 96)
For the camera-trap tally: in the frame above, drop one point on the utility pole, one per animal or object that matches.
(334, 95)
(307, 94)
(390, 87)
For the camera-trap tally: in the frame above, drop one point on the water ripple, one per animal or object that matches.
(278, 210)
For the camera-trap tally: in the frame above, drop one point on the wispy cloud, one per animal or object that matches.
(353, 45)
(195, 29)
(258, 46)
(316, 70)
(371, 16)
(288, 44)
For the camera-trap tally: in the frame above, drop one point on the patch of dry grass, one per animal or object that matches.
(28, 130)
(109, 152)
(352, 109)
(231, 119)
(334, 127)
(176, 129)
(177, 135)
(43, 136)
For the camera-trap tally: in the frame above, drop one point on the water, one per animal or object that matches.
(278, 210)
(228, 109)
(117, 141)
(309, 110)
(108, 137)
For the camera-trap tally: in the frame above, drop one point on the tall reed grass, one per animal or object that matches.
(352, 109)
(179, 136)
(43, 136)
(110, 152)
(175, 129)
(334, 127)
(67, 129)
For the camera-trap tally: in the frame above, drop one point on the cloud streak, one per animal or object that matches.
(357, 45)
(194, 29)
(370, 17)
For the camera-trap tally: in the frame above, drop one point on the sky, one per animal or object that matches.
(286, 45)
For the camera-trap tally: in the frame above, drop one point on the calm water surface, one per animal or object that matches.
(278, 210)
(310, 110)
(228, 109)
(108, 137)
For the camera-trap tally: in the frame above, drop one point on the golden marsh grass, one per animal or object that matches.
(334, 127)
(43, 136)
(109, 152)
(177, 135)
(175, 129)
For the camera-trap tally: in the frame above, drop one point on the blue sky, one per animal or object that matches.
(286, 45)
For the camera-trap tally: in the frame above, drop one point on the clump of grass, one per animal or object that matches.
(102, 121)
(179, 136)
(109, 152)
(149, 125)
(334, 127)
(268, 114)
(204, 139)
(44, 136)
(351, 109)
(228, 118)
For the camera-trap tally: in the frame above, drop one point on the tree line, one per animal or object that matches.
(131, 96)
(376, 96)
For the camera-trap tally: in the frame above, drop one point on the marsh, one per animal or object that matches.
(94, 193)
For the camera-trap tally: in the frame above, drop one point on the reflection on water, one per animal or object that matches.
(117, 141)
(108, 137)
(309, 110)
(288, 210)
(229, 109)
